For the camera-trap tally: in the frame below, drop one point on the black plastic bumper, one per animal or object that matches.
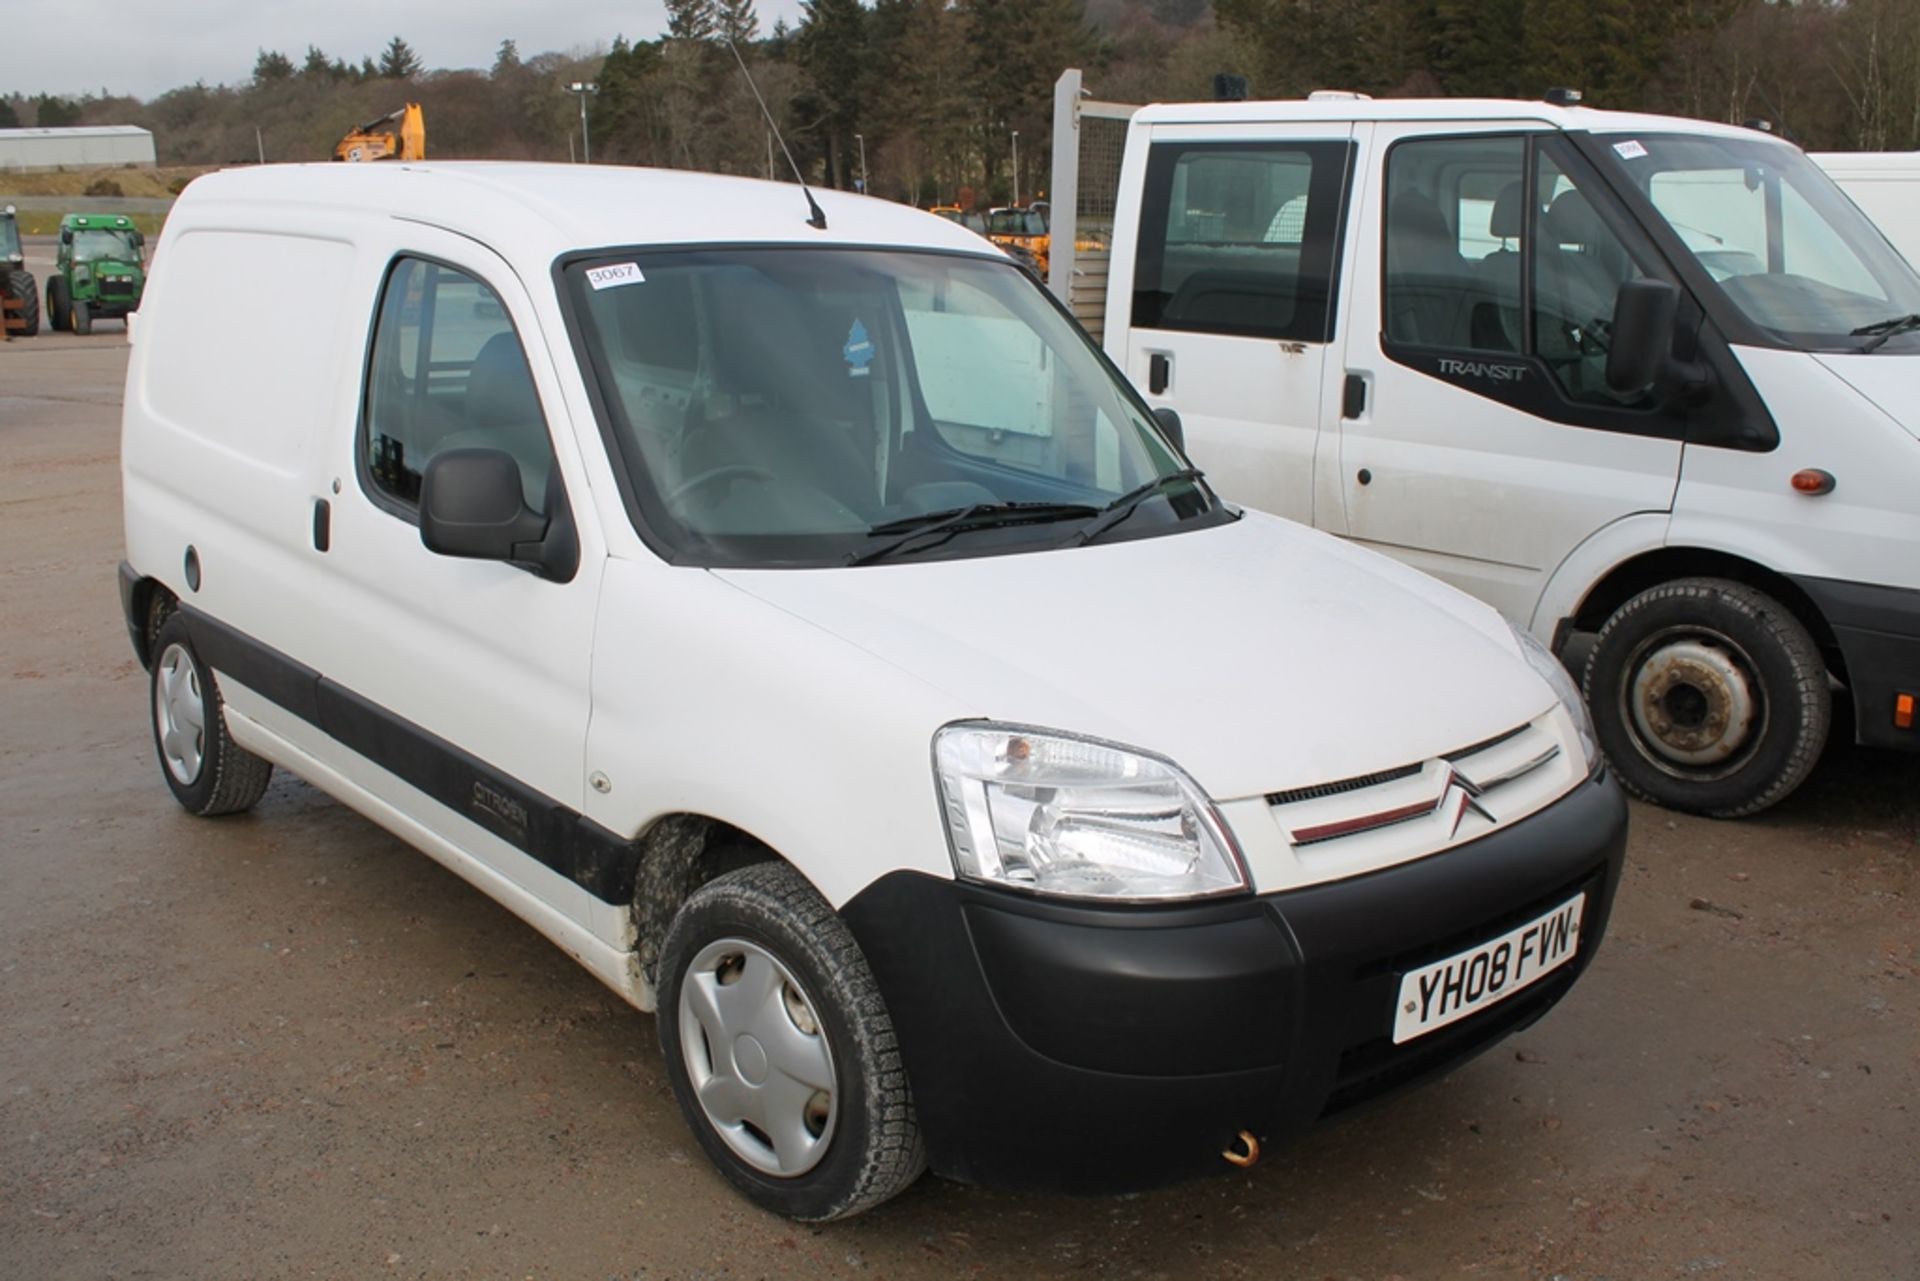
(1878, 629)
(1111, 1049)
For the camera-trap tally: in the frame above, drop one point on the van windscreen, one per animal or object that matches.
(1779, 240)
(788, 406)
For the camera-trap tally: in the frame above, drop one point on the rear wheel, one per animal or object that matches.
(59, 304)
(1708, 696)
(208, 772)
(781, 1051)
(19, 285)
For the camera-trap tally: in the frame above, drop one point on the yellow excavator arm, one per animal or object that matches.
(375, 140)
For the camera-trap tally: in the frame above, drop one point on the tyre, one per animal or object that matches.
(1708, 696)
(781, 1051)
(19, 284)
(209, 773)
(59, 304)
(82, 317)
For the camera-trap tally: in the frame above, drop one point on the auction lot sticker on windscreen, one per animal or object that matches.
(1435, 995)
(622, 273)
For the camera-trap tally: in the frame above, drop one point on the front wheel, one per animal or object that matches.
(781, 1051)
(208, 772)
(82, 316)
(1708, 696)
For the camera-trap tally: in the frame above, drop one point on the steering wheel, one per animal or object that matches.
(714, 475)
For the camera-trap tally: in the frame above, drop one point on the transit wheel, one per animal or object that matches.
(1708, 696)
(781, 1051)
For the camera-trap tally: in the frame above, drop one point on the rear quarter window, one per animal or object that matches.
(218, 369)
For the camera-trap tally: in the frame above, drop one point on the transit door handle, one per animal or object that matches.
(322, 524)
(1159, 364)
(1353, 402)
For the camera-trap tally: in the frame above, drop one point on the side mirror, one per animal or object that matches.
(471, 505)
(1645, 314)
(1169, 420)
(66, 235)
(1643, 320)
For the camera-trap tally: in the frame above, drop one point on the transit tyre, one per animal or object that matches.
(781, 1051)
(18, 285)
(82, 317)
(209, 773)
(1708, 696)
(59, 304)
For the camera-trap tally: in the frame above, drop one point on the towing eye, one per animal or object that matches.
(1244, 1151)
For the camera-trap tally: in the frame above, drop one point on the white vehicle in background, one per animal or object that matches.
(1886, 186)
(797, 621)
(1631, 375)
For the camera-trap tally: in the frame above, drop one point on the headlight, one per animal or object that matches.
(1555, 674)
(1052, 814)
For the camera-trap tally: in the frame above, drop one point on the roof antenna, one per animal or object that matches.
(819, 220)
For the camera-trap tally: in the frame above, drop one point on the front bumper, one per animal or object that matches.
(1878, 630)
(1108, 1049)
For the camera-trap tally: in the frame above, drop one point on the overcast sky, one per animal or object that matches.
(146, 47)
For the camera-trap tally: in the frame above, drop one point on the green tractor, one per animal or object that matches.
(98, 273)
(16, 282)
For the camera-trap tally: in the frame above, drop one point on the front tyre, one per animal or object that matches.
(781, 1051)
(208, 772)
(1708, 696)
(82, 316)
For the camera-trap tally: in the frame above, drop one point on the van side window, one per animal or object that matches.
(1459, 219)
(1579, 265)
(1455, 221)
(1241, 238)
(447, 372)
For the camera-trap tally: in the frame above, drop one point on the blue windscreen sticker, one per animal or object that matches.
(858, 351)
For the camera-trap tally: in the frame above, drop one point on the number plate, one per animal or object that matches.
(1435, 995)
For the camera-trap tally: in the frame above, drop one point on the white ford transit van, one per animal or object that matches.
(1630, 375)
(797, 620)
(1886, 186)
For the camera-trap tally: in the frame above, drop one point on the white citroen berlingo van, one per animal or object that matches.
(796, 619)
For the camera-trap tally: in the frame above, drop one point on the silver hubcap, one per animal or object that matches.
(1692, 701)
(180, 714)
(759, 1065)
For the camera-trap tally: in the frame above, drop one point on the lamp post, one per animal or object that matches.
(1016, 166)
(583, 88)
(862, 140)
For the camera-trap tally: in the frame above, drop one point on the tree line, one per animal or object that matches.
(933, 100)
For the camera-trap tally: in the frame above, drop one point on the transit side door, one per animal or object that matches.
(1232, 310)
(1482, 444)
(466, 679)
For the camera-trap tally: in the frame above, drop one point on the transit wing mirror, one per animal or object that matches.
(471, 505)
(1645, 313)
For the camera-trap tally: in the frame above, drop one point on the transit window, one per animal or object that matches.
(1241, 238)
(447, 372)
(1455, 222)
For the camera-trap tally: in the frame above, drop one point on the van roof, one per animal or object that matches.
(544, 210)
(1401, 110)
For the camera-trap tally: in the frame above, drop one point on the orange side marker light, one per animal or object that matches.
(1903, 711)
(1813, 480)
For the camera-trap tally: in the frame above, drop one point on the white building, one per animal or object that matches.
(82, 147)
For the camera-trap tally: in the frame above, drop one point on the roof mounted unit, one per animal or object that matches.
(1564, 96)
(1338, 95)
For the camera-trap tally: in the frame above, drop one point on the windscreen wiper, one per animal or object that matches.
(953, 520)
(1881, 330)
(1125, 505)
